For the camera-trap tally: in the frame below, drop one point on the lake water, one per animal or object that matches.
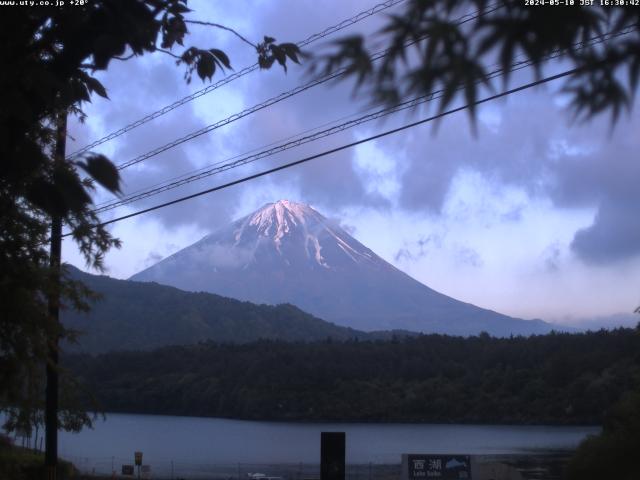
(219, 441)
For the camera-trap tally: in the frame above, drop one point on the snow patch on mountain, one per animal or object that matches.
(279, 220)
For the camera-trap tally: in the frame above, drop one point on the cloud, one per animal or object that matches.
(403, 254)
(603, 174)
(552, 255)
(347, 227)
(152, 259)
(143, 85)
(522, 142)
(532, 148)
(419, 248)
(513, 215)
(333, 181)
(137, 88)
(224, 256)
(510, 152)
(614, 235)
(468, 256)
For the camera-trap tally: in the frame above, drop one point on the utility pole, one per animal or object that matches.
(51, 392)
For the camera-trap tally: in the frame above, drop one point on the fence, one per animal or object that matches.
(534, 466)
(175, 470)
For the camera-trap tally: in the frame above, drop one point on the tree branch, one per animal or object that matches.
(168, 53)
(217, 25)
(131, 55)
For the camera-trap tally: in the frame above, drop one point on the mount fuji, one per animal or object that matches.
(287, 252)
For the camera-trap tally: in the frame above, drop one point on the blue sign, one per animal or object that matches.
(441, 467)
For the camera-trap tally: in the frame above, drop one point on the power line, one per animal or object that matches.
(241, 73)
(240, 160)
(278, 98)
(461, 20)
(243, 160)
(338, 149)
(205, 171)
(222, 166)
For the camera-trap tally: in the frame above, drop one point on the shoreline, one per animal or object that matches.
(354, 422)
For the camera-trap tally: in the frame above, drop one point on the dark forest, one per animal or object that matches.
(547, 379)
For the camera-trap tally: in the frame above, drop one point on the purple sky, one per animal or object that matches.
(533, 217)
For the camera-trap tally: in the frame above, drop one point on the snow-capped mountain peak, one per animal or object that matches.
(288, 252)
(299, 234)
(277, 219)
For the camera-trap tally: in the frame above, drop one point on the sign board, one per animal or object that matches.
(439, 467)
(127, 469)
(146, 471)
(138, 457)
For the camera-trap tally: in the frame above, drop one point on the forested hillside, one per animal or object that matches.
(142, 316)
(556, 378)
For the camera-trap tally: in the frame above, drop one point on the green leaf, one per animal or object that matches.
(179, 9)
(95, 86)
(291, 50)
(280, 56)
(265, 62)
(222, 57)
(102, 171)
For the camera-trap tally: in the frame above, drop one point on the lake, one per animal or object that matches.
(169, 440)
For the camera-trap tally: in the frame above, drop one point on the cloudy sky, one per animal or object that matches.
(533, 216)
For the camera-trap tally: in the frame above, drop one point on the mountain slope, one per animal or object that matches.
(143, 316)
(288, 252)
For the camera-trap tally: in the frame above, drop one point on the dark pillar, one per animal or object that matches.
(332, 456)
(51, 391)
